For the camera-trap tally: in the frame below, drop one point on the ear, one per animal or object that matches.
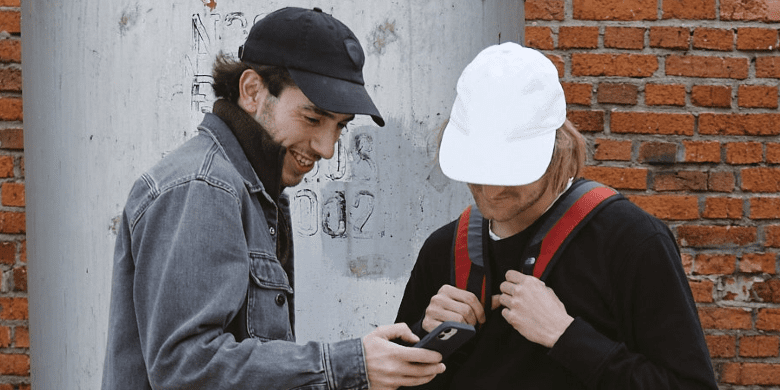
(252, 91)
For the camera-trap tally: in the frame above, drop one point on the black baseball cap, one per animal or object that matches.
(323, 56)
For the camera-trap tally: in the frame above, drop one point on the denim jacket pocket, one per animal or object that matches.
(268, 314)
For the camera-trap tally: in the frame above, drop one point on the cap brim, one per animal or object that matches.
(478, 160)
(336, 95)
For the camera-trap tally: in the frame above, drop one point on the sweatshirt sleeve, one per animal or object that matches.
(664, 348)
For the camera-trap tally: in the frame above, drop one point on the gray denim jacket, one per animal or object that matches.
(195, 255)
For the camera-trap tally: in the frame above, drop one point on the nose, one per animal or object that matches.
(324, 142)
(492, 191)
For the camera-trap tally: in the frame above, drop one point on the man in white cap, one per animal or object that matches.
(202, 294)
(613, 309)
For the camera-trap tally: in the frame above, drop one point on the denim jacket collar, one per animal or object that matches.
(223, 136)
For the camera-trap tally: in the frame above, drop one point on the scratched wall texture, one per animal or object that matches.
(112, 87)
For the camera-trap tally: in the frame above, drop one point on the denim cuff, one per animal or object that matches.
(346, 365)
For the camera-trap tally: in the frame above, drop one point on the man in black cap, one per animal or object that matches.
(202, 294)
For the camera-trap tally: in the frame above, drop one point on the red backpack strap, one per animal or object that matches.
(569, 215)
(469, 268)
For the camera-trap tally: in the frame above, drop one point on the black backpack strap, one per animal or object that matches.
(568, 216)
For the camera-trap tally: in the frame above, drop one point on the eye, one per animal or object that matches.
(313, 121)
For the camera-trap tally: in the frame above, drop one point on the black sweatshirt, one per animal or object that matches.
(621, 278)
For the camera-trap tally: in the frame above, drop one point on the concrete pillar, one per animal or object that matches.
(110, 87)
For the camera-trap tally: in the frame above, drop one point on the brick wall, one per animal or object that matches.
(678, 100)
(14, 334)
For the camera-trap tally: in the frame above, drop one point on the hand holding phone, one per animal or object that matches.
(447, 337)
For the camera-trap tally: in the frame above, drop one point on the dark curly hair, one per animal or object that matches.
(227, 72)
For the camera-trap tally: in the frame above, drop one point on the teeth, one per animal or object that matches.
(305, 162)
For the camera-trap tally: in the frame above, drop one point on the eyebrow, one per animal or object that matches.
(325, 113)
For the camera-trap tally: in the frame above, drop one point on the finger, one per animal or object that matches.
(495, 301)
(421, 360)
(395, 331)
(469, 299)
(515, 276)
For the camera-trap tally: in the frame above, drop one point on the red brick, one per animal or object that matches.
(10, 80)
(758, 346)
(624, 65)
(658, 152)
(23, 252)
(702, 290)
(632, 38)
(757, 96)
(652, 123)
(559, 64)
(710, 67)
(539, 38)
(725, 318)
(689, 9)
(750, 373)
(750, 38)
(702, 151)
(739, 124)
(12, 222)
(614, 150)
(750, 10)
(10, 50)
(670, 37)
(668, 207)
(665, 95)
(5, 337)
(10, 3)
(716, 236)
(713, 39)
(7, 253)
(615, 9)
(721, 181)
(587, 121)
(768, 319)
(617, 93)
(20, 278)
(715, 264)
(768, 67)
(544, 10)
(21, 337)
(721, 346)
(577, 93)
(772, 236)
(758, 263)
(14, 364)
(619, 178)
(744, 152)
(767, 291)
(711, 96)
(773, 153)
(11, 109)
(687, 262)
(12, 139)
(10, 21)
(12, 194)
(760, 179)
(680, 181)
(764, 208)
(578, 37)
(721, 208)
(13, 308)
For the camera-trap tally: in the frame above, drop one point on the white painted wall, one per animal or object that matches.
(111, 86)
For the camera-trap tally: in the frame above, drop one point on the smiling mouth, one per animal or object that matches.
(302, 160)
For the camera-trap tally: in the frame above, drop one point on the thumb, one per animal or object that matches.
(495, 301)
(395, 331)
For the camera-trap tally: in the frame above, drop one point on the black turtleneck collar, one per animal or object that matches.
(265, 154)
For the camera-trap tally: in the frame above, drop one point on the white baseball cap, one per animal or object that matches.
(502, 127)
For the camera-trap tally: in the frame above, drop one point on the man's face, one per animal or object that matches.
(511, 206)
(308, 132)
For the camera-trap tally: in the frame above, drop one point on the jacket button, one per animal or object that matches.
(272, 230)
(281, 299)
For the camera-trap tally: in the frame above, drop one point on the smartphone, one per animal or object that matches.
(447, 337)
